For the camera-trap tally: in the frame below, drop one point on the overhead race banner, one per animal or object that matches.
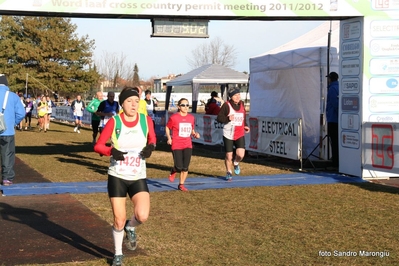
(207, 8)
(381, 147)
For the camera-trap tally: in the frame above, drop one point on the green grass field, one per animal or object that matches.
(339, 224)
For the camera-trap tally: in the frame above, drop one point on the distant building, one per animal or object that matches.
(146, 85)
(109, 85)
(160, 84)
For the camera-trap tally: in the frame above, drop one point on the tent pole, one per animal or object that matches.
(167, 98)
(328, 49)
(328, 72)
(222, 90)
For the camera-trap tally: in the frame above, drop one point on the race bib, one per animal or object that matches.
(131, 165)
(105, 120)
(238, 119)
(185, 130)
(79, 113)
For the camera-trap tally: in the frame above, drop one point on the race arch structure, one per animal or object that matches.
(368, 66)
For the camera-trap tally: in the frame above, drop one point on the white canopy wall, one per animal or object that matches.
(292, 84)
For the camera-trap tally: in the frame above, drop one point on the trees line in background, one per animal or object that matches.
(45, 55)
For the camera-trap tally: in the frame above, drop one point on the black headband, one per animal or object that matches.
(126, 94)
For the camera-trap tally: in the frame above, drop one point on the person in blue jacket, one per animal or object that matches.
(332, 115)
(107, 109)
(13, 115)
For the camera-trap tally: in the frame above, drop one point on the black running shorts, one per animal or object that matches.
(230, 144)
(118, 187)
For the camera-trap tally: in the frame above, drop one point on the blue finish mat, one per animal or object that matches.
(192, 183)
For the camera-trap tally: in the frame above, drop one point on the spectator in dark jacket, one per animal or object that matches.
(332, 114)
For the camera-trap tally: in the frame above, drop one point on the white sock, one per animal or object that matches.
(235, 163)
(118, 240)
(133, 222)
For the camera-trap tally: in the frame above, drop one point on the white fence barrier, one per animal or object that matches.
(274, 136)
(280, 137)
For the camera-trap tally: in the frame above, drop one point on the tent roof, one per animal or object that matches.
(316, 37)
(298, 58)
(210, 74)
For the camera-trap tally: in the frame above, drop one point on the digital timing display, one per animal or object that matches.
(192, 28)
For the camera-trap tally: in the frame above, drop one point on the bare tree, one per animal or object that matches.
(114, 68)
(215, 52)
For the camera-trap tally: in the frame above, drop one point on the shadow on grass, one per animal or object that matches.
(158, 167)
(373, 187)
(55, 148)
(168, 168)
(198, 150)
(360, 183)
(91, 166)
(161, 185)
(72, 154)
(53, 131)
(217, 152)
(40, 222)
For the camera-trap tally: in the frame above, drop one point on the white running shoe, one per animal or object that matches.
(75, 129)
(78, 131)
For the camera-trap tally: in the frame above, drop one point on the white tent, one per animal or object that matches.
(317, 37)
(292, 84)
(211, 74)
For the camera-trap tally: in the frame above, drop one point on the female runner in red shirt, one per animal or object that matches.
(182, 126)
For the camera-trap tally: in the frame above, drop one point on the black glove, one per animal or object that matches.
(147, 151)
(117, 154)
